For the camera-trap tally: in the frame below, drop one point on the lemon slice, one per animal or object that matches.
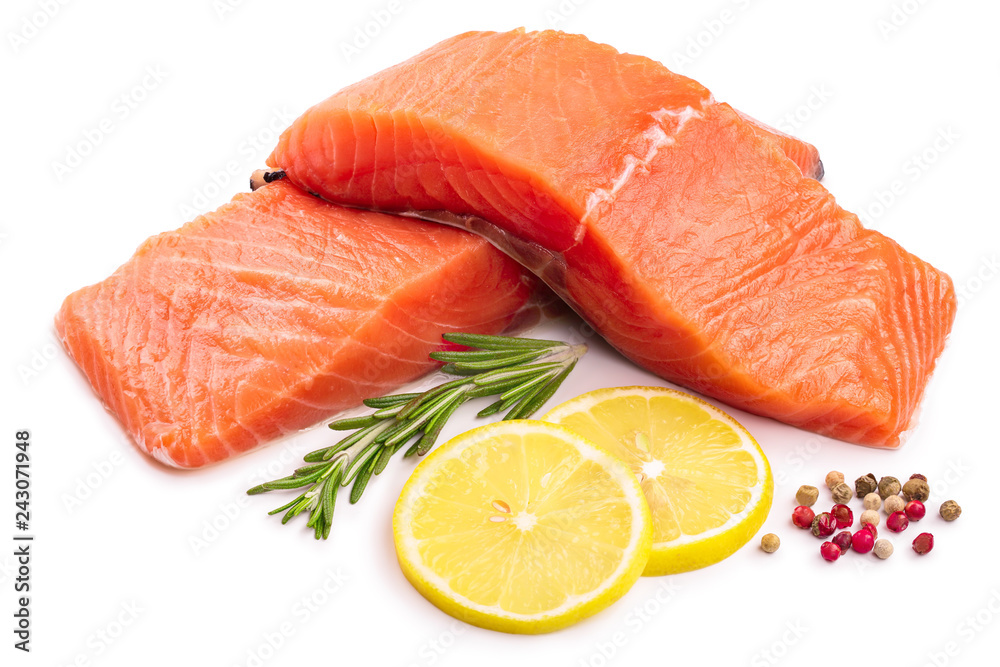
(707, 482)
(521, 526)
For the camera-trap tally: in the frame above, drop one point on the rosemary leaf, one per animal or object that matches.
(502, 361)
(354, 467)
(490, 409)
(507, 374)
(278, 510)
(449, 356)
(431, 434)
(389, 401)
(330, 488)
(383, 459)
(354, 423)
(362, 481)
(484, 342)
(537, 399)
(430, 395)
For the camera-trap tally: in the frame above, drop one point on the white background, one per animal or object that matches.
(118, 545)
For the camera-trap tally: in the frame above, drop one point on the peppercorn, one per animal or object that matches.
(870, 527)
(872, 501)
(833, 478)
(950, 510)
(824, 525)
(893, 504)
(923, 543)
(842, 493)
(869, 517)
(883, 548)
(918, 476)
(829, 551)
(897, 522)
(843, 540)
(843, 515)
(916, 489)
(915, 510)
(888, 486)
(865, 485)
(802, 516)
(807, 495)
(770, 543)
(862, 541)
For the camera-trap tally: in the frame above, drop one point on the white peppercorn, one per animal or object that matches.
(872, 501)
(869, 516)
(883, 548)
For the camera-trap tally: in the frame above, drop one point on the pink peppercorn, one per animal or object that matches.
(830, 551)
(824, 525)
(923, 543)
(843, 515)
(863, 541)
(870, 527)
(843, 540)
(915, 510)
(803, 517)
(897, 522)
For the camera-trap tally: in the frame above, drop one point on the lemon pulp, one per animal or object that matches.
(522, 526)
(707, 482)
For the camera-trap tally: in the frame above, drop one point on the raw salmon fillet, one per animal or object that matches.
(677, 227)
(275, 312)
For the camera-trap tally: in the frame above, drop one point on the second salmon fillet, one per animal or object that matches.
(679, 228)
(274, 312)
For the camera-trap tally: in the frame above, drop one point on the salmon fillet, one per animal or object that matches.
(275, 312)
(679, 229)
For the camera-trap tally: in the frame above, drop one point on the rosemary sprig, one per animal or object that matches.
(522, 372)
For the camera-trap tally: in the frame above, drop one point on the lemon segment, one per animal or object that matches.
(707, 482)
(521, 526)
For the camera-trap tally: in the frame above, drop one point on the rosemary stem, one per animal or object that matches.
(523, 373)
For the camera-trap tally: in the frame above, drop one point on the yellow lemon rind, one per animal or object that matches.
(493, 618)
(721, 542)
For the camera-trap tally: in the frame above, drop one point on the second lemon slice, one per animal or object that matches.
(707, 482)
